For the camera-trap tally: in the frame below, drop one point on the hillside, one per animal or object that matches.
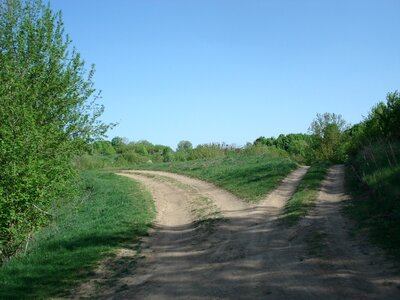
(249, 177)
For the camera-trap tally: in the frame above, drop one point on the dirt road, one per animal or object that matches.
(208, 244)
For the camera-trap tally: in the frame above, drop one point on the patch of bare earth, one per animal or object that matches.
(208, 244)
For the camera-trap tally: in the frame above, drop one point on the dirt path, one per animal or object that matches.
(208, 244)
(212, 262)
(348, 268)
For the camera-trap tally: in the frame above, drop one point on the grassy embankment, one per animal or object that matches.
(112, 212)
(373, 178)
(306, 194)
(249, 177)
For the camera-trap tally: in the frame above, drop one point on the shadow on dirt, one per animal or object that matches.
(247, 258)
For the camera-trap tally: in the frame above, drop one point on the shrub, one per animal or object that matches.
(48, 114)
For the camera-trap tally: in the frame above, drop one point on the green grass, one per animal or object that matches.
(113, 212)
(373, 180)
(306, 194)
(250, 177)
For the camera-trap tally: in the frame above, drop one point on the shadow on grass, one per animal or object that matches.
(56, 266)
(241, 258)
(376, 209)
(114, 214)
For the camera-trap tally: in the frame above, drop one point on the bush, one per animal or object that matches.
(207, 151)
(48, 114)
(265, 150)
(133, 157)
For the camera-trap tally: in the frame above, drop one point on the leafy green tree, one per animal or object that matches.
(104, 148)
(393, 115)
(265, 141)
(118, 141)
(168, 154)
(384, 119)
(183, 150)
(48, 114)
(381, 125)
(296, 144)
(376, 123)
(329, 144)
(184, 146)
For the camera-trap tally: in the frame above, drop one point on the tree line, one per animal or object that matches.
(330, 139)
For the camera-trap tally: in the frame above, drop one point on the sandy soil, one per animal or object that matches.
(208, 244)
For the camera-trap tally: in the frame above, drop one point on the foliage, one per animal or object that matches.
(168, 154)
(296, 145)
(87, 162)
(183, 151)
(373, 177)
(184, 146)
(373, 174)
(381, 124)
(212, 150)
(112, 212)
(328, 132)
(306, 193)
(103, 148)
(48, 113)
(259, 149)
(250, 177)
(118, 142)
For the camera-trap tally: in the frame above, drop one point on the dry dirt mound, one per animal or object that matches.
(208, 244)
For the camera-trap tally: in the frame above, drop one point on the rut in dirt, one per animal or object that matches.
(221, 261)
(208, 244)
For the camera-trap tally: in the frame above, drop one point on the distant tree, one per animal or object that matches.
(265, 141)
(103, 148)
(184, 146)
(48, 114)
(322, 121)
(119, 141)
(296, 144)
(328, 132)
(211, 150)
(168, 154)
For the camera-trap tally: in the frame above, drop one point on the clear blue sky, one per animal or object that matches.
(231, 71)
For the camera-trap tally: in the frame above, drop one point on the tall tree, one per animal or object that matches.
(48, 112)
(328, 131)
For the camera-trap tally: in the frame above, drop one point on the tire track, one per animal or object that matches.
(247, 252)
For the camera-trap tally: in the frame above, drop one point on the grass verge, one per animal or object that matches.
(306, 194)
(373, 180)
(248, 177)
(113, 211)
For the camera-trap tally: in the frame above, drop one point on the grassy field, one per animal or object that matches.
(248, 177)
(373, 178)
(306, 194)
(113, 211)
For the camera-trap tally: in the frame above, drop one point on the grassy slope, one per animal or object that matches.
(306, 194)
(114, 210)
(373, 178)
(248, 177)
